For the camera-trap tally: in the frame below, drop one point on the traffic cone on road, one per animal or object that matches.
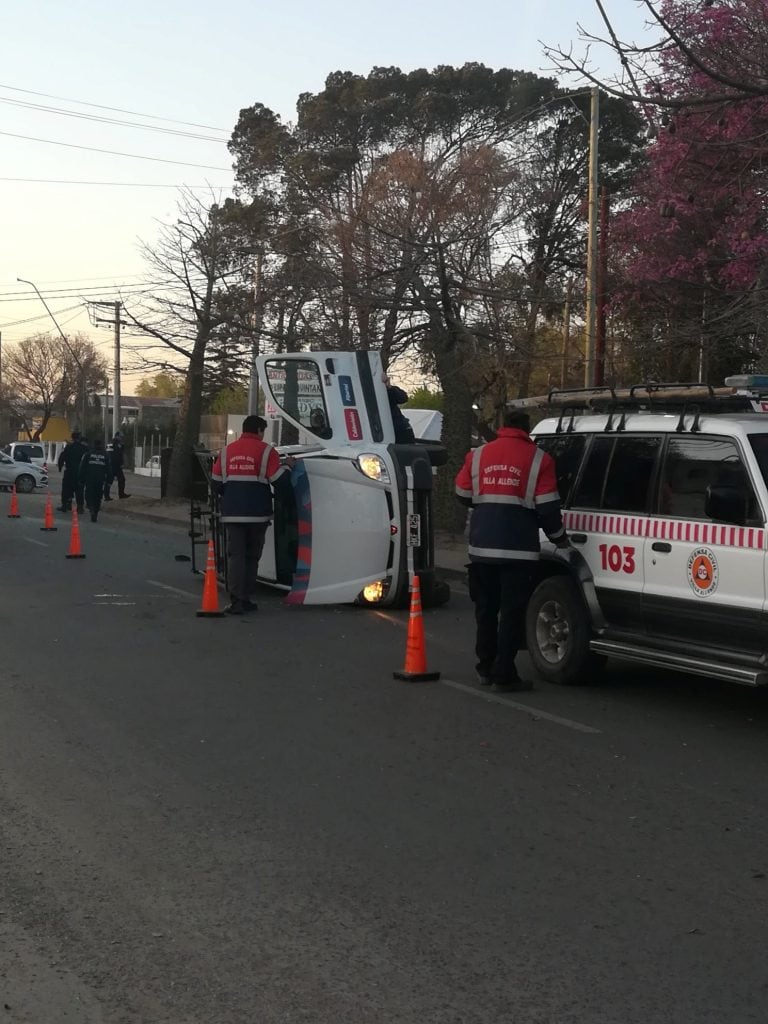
(48, 526)
(210, 606)
(74, 538)
(415, 670)
(14, 511)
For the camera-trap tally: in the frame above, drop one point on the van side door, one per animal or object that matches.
(704, 579)
(607, 521)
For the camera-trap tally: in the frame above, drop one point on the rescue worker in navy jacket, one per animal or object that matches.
(244, 473)
(69, 462)
(93, 473)
(512, 488)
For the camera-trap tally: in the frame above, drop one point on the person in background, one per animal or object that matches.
(116, 457)
(69, 463)
(512, 488)
(397, 397)
(244, 473)
(93, 473)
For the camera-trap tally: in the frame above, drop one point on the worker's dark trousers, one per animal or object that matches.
(245, 542)
(500, 594)
(71, 487)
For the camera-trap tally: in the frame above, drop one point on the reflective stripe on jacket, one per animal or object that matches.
(512, 486)
(244, 471)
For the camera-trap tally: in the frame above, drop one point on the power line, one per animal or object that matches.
(119, 184)
(110, 120)
(112, 152)
(42, 316)
(117, 110)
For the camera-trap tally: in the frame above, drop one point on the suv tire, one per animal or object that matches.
(558, 632)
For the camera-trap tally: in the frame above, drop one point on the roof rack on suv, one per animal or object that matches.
(744, 393)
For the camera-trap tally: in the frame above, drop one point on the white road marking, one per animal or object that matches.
(389, 618)
(174, 590)
(40, 543)
(535, 712)
(114, 604)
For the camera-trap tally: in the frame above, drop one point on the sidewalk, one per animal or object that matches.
(450, 549)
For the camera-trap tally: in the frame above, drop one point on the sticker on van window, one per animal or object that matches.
(347, 391)
(702, 572)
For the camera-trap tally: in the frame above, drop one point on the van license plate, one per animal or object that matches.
(414, 530)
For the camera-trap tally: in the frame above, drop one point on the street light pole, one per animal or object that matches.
(66, 342)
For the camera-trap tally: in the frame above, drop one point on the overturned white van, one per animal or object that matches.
(356, 523)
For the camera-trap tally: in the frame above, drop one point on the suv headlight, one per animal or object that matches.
(373, 467)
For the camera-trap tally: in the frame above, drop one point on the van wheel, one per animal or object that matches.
(558, 632)
(25, 484)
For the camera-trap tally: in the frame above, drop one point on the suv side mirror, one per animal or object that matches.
(726, 505)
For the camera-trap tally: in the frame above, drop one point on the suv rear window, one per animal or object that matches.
(618, 473)
(692, 464)
(567, 450)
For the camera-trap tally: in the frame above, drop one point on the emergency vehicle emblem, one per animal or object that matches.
(702, 572)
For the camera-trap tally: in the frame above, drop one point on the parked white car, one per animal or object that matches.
(26, 475)
(153, 463)
(27, 451)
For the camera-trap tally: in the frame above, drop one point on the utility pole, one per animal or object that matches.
(116, 383)
(115, 322)
(253, 380)
(602, 274)
(69, 348)
(591, 311)
(566, 332)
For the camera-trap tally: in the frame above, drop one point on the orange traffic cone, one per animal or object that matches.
(14, 512)
(210, 607)
(48, 525)
(415, 670)
(74, 538)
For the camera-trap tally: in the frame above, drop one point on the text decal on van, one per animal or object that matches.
(354, 428)
(347, 391)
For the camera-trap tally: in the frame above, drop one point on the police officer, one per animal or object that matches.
(512, 488)
(115, 458)
(397, 397)
(69, 462)
(93, 473)
(242, 474)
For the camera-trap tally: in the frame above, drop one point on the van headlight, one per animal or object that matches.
(374, 593)
(373, 467)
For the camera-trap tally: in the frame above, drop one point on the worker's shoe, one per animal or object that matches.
(249, 606)
(107, 498)
(483, 674)
(94, 517)
(123, 495)
(510, 685)
(235, 607)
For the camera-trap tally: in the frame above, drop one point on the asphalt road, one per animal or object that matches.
(249, 821)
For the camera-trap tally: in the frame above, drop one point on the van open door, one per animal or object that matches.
(332, 532)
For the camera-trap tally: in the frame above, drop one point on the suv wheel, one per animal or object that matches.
(558, 633)
(25, 484)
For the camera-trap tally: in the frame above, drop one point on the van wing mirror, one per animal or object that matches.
(726, 505)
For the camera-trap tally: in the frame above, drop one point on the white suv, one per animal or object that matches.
(665, 499)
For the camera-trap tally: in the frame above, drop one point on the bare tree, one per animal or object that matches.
(731, 61)
(191, 262)
(44, 374)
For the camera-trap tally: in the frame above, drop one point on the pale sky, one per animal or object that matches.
(190, 61)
